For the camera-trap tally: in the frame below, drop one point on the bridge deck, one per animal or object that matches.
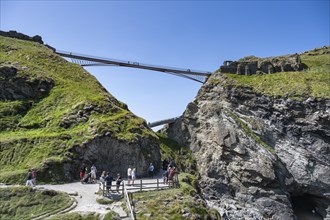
(87, 60)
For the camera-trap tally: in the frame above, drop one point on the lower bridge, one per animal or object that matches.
(162, 122)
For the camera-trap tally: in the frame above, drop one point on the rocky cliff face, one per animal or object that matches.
(260, 157)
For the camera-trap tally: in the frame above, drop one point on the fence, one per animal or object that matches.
(140, 186)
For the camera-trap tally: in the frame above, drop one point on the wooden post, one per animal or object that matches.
(123, 186)
(140, 184)
(157, 184)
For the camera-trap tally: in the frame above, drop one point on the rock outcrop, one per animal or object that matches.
(15, 34)
(14, 87)
(259, 157)
(254, 65)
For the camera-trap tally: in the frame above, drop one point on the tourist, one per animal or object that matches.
(103, 175)
(118, 182)
(151, 170)
(129, 175)
(34, 177)
(165, 174)
(29, 179)
(82, 172)
(108, 181)
(133, 175)
(165, 164)
(172, 164)
(171, 176)
(93, 174)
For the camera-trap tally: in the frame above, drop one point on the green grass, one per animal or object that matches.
(313, 82)
(172, 204)
(36, 130)
(24, 203)
(76, 216)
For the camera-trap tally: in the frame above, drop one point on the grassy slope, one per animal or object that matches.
(311, 83)
(24, 203)
(173, 203)
(34, 136)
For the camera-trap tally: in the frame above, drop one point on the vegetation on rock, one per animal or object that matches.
(312, 82)
(181, 203)
(182, 155)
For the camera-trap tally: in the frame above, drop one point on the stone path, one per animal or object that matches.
(85, 195)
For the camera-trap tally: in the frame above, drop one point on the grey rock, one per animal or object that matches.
(257, 153)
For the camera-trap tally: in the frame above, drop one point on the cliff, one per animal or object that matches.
(56, 116)
(262, 142)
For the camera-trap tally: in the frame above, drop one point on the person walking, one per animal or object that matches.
(29, 179)
(34, 177)
(151, 170)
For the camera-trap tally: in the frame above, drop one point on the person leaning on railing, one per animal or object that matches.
(108, 181)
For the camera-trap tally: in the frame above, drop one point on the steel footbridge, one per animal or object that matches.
(88, 60)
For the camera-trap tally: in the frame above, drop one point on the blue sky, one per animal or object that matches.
(185, 34)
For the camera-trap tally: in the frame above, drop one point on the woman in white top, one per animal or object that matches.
(133, 175)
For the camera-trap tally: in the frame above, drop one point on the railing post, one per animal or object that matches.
(140, 184)
(123, 187)
(157, 184)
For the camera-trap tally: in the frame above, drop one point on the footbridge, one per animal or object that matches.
(88, 60)
(162, 122)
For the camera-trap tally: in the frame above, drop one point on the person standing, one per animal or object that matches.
(93, 174)
(108, 182)
(151, 170)
(82, 172)
(34, 177)
(118, 182)
(103, 175)
(133, 175)
(29, 179)
(129, 175)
